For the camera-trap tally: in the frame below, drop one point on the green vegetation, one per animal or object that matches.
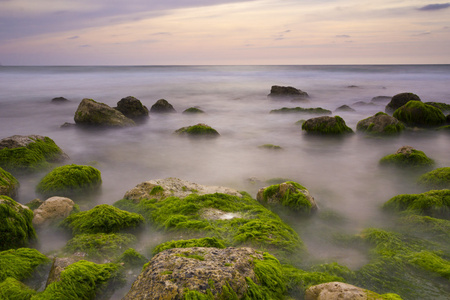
(69, 180)
(20, 263)
(16, 228)
(444, 107)
(132, 259)
(436, 179)
(32, 158)
(380, 124)
(407, 159)
(326, 125)
(8, 184)
(434, 203)
(199, 130)
(12, 289)
(317, 110)
(193, 110)
(417, 113)
(292, 197)
(83, 280)
(100, 245)
(202, 242)
(270, 147)
(103, 218)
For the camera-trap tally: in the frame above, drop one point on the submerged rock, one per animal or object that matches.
(193, 110)
(344, 291)
(326, 125)
(162, 106)
(399, 100)
(132, 108)
(92, 113)
(381, 99)
(52, 209)
(8, 184)
(199, 130)
(59, 100)
(317, 110)
(287, 91)
(417, 113)
(345, 108)
(380, 123)
(407, 157)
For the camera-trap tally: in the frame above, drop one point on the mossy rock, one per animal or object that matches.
(417, 113)
(131, 259)
(434, 203)
(193, 110)
(13, 289)
(23, 154)
(399, 100)
(326, 125)
(433, 229)
(380, 124)
(202, 242)
(8, 184)
(93, 113)
(20, 263)
(103, 218)
(270, 147)
(16, 228)
(436, 179)
(162, 106)
(407, 157)
(288, 194)
(444, 107)
(69, 180)
(132, 108)
(199, 130)
(84, 280)
(317, 110)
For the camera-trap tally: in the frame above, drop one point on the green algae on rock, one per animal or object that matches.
(199, 130)
(70, 180)
(33, 153)
(193, 110)
(132, 108)
(201, 242)
(326, 125)
(407, 157)
(270, 147)
(417, 113)
(131, 259)
(380, 124)
(400, 100)
(444, 107)
(20, 263)
(16, 228)
(102, 218)
(436, 179)
(13, 289)
(8, 184)
(317, 110)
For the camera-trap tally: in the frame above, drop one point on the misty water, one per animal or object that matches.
(342, 174)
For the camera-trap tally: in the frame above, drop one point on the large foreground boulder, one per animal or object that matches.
(30, 153)
(53, 209)
(399, 100)
(198, 273)
(132, 108)
(92, 113)
(344, 291)
(380, 124)
(162, 106)
(326, 125)
(407, 157)
(417, 113)
(8, 184)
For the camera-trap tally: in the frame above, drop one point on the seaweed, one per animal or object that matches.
(12, 289)
(202, 242)
(132, 259)
(8, 184)
(436, 179)
(417, 113)
(20, 263)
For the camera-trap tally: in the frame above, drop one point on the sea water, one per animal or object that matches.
(343, 175)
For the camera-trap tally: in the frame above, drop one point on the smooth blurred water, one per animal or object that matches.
(342, 174)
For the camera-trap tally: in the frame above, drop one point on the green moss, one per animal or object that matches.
(434, 203)
(293, 197)
(317, 110)
(103, 218)
(199, 130)
(193, 110)
(417, 113)
(16, 228)
(270, 146)
(444, 107)
(157, 190)
(130, 258)
(69, 180)
(100, 245)
(20, 263)
(431, 262)
(34, 204)
(329, 125)
(192, 255)
(83, 280)
(414, 159)
(12, 289)
(8, 184)
(368, 125)
(433, 229)
(202, 242)
(32, 158)
(436, 179)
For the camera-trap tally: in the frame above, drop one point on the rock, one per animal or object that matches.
(381, 99)
(363, 104)
(444, 107)
(283, 91)
(417, 113)
(317, 110)
(163, 188)
(60, 264)
(173, 273)
(67, 125)
(162, 106)
(16, 224)
(70, 180)
(132, 108)
(8, 184)
(436, 179)
(54, 208)
(380, 123)
(326, 125)
(399, 100)
(35, 203)
(92, 113)
(288, 194)
(340, 291)
(59, 100)
(193, 110)
(407, 157)
(199, 130)
(345, 108)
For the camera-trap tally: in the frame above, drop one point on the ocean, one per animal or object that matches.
(342, 174)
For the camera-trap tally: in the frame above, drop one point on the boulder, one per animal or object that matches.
(342, 291)
(326, 125)
(53, 209)
(399, 100)
(283, 91)
(193, 110)
(162, 106)
(35, 203)
(417, 113)
(230, 273)
(288, 194)
(59, 100)
(132, 108)
(16, 226)
(436, 179)
(92, 113)
(444, 107)
(199, 130)
(344, 108)
(70, 180)
(407, 157)
(8, 184)
(60, 264)
(316, 110)
(30, 153)
(380, 123)
(163, 188)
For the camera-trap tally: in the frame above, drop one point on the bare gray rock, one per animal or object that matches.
(94, 113)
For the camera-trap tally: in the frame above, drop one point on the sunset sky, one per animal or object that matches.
(191, 32)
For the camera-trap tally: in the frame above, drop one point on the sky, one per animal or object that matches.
(223, 32)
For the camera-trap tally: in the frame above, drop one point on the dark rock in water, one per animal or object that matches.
(92, 113)
(399, 100)
(282, 91)
(59, 100)
(380, 123)
(326, 125)
(381, 99)
(162, 106)
(193, 110)
(199, 130)
(352, 86)
(362, 104)
(132, 108)
(317, 110)
(345, 108)
(444, 107)
(417, 113)
(67, 125)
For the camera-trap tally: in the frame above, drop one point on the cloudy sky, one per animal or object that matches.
(173, 32)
